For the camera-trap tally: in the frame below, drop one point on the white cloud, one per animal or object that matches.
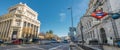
(62, 16)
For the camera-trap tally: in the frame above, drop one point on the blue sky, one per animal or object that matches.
(53, 14)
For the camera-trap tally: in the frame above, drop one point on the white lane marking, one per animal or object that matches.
(56, 47)
(38, 48)
(26, 48)
(12, 48)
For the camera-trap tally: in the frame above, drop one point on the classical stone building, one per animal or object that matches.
(106, 30)
(20, 22)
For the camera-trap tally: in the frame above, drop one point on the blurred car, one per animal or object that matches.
(54, 41)
(46, 42)
(65, 41)
(1, 42)
(17, 41)
(8, 43)
(36, 40)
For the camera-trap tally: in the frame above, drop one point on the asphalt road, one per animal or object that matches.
(51, 46)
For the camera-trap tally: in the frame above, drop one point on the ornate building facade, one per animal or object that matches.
(20, 22)
(106, 30)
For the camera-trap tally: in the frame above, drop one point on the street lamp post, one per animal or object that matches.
(72, 29)
(71, 15)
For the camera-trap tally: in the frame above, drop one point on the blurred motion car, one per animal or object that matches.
(65, 41)
(45, 42)
(36, 40)
(17, 41)
(54, 41)
(1, 42)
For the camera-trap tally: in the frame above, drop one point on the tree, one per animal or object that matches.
(50, 31)
(49, 35)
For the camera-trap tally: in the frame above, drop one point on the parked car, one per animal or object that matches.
(8, 43)
(1, 42)
(45, 42)
(53, 41)
(36, 40)
(17, 41)
(65, 41)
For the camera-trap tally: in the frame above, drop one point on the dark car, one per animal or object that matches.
(65, 41)
(1, 42)
(53, 41)
(36, 40)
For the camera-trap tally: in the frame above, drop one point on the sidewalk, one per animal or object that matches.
(75, 47)
(106, 47)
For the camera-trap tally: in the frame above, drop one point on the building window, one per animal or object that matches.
(18, 16)
(28, 24)
(90, 34)
(24, 24)
(18, 23)
(93, 33)
(30, 13)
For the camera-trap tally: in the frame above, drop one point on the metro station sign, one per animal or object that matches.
(99, 14)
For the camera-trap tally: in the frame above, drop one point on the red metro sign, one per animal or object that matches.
(99, 14)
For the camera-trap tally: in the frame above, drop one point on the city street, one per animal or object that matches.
(52, 46)
(60, 25)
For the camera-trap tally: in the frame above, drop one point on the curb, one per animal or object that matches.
(79, 48)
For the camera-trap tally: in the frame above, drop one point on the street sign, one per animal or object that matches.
(99, 14)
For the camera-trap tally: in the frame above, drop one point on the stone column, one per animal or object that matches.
(6, 29)
(32, 30)
(35, 31)
(2, 30)
(3, 26)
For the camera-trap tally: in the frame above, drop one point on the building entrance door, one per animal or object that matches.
(14, 35)
(103, 36)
